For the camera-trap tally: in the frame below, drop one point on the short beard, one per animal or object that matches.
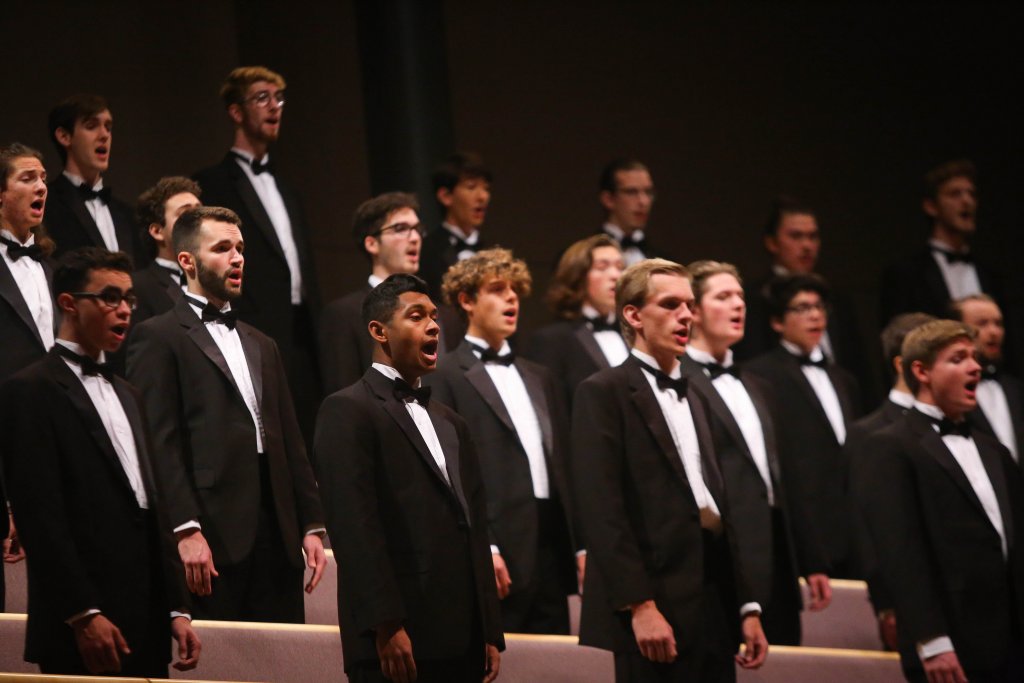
(213, 284)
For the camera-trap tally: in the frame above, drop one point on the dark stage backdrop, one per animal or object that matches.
(844, 105)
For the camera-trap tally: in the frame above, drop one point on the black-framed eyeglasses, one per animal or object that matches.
(403, 230)
(634, 192)
(263, 98)
(805, 308)
(110, 296)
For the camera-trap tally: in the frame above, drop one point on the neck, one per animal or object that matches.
(666, 360)
(467, 231)
(716, 347)
(901, 386)
(21, 232)
(195, 288)
(380, 271)
(69, 333)
(410, 375)
(495, 341)
(603, 311)
(90, 176)
(924, 395)
(165, 251)
(257, 148)
(956, 241)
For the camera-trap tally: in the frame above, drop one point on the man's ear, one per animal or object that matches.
(156, 232)
(63, 137)
(776, 324)
(235, 113)
(930, 207)
(631, 314)
(466, 303)
(897, 365)
(372, 245)
(66, 303)
(444, 195)
(771, 244)
(921, 373)
(607, 200)
(187, 262)
(378, 331)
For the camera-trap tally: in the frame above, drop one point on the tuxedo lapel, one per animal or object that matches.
(643, 398)
(992, 461)
(70, 195)
(253, 358)
(761, 402)
(198, 333)
(791, 366)
(1014, 401)
(585, 336)
(9, 291)
(936, 448)
(933, 277)
(709, 464)
(842, 393)
(79, 398)
(252, 202)
(695, 373)
(449, 440)
(535, 389)
(162, 277)
(476, 375)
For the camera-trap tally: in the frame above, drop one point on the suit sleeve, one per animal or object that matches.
(597, 469)
(34, 472)
(153, 370)
(892, 511)
(307, 497)
(345, 454)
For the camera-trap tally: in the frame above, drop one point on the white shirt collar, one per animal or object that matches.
(10, 235)
(815, 354)
(392, 373)
(457, 231)
(780, 270)
(649, 360)
(589, 311)
(77, 348)
(168, 264)
(249, 156)
(78, 181)
(477, 341)
(223, 309)
(929, 409)
(704, 358)
(901, 399)
(374, 280)
(942, 246)
(618, 233)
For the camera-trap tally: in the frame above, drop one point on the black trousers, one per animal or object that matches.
(780, 615)
(264, 586)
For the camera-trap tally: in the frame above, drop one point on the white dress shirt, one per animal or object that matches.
(737, 399)
(270, 196)
(823, 389)
(961, 278)
(631, 254)
(99, 211)
(421, 418)
(903, 400)
(373, 281)
(30, 277)
(965, 452)
(993, 404)
(471, 240)
(115, 421)
(611, 343)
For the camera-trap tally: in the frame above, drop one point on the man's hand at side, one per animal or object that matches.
(755, 649)
(653, 633)
(395, 652)
(501, 578)
(316, 559)
(198, 560)
(493, 659)
(100, 643)
(820, 590)
(189, 646)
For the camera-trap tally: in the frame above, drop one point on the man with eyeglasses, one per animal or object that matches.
(106, 590)
(281, 297)
(387, 229)
(815, 401)
(627, 195)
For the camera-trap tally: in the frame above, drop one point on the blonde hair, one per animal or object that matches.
(924, 343)
(469, 274)
(634, 286)
(238, 81)
(702, 271)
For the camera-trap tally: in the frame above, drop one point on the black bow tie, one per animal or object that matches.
(716, 370)
(989, 371)
(820, 363)
(628, 241)
(211, 314)
(461, 245)
(947, 427)
(664, 382)
(404, 391)
(88, 193)
(954, 256)
(602, 325)
(15, 251)
(256, 166)
(491, 356)
(88, 365)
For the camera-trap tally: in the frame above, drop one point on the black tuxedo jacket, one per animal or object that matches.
(915, 284)
(266, 295)
(204, 439)
(437, 255)
(640, 519)
(71, 225)
(156, 291)
(811, 457)
(346, 348)
(410, 547)
(939, 553)
(569, 350)
(91, 544)
(745, 492)
(1014, 390)
(19, 337)
(462, 383)
(649, 251)
(857, 440)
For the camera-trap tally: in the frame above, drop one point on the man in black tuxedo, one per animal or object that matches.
(1000, 395)
(158, 285)
(405, 506)
(229, 456)
(942, 503)
(663, 592)
(27, 320)
(793, 241)
(281, 296)
(82, 211)
(815, 400)
(774, 544)
(387, 229)
(943, 270)
(586, 338)
(104, 594)
(517, 419)
(626, 193)
(899, 401)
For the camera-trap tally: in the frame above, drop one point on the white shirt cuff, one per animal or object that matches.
(750, 608)
(81, 615)
(193, 524)
(936, 646)
(175, 614)
(494, 550)
(319, 531)
(581, 553)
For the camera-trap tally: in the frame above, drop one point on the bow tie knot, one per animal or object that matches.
(955, 256)
(820, 363)
(209, 313)
(15, 251)
(256, 165)
(87, 193)
(89, 367)
(716, 370)
(680, 385)
(601, 324)
(635, 239)
(989, 371)
(406, 392)
(491, 356)
(949, 428)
